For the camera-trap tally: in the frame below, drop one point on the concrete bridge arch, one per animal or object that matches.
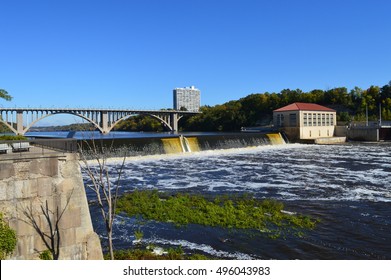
(30, 125)
(104, 120)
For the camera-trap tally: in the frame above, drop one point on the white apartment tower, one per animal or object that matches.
(188, 97)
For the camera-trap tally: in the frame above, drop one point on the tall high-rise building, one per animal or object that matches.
(188, 98)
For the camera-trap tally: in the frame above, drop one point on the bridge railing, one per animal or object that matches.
(59, 145)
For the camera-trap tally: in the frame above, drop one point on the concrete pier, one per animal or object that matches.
(330, 140)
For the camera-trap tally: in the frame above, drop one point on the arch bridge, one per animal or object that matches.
(20, 120)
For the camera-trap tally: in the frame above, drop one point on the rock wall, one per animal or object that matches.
(27, 185)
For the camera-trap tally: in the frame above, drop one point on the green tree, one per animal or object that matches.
(139, 123)
(385, 96)
(315, 96)
(254, 107)
(4, 94)
(338, 96)
(7, 239)
(344, 117)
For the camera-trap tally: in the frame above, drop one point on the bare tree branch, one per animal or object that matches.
(105, 190)
(51, 239)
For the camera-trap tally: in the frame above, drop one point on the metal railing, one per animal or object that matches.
(377, 124)
(59, 145)
(30, 147)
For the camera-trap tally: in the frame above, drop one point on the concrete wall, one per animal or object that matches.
(26, 184)
(314, 132)
(385, 134)
(341, 131)
(293, 133)
(363, 134)
(330, 140)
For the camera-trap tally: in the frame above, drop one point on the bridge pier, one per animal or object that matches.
(19, 123)
(104, 122)
(174, 122)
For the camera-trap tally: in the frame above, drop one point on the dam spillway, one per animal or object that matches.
(177, 144)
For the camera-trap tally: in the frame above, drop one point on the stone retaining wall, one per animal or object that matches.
(29, 183)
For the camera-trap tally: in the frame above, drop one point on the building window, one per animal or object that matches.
(305, 120)
(332, 119)
(323, 119)
(319, 120)
(328, 119)
(292, 120)
(280, 120)
(309, 119)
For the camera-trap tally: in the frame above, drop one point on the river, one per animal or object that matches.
(348, 187)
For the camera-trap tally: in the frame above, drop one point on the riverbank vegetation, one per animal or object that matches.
(140, 123)
(245, 212)
(257, 109)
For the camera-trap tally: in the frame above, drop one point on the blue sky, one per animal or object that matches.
(132, 53)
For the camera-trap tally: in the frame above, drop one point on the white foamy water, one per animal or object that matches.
(204, 248)
(288, 172)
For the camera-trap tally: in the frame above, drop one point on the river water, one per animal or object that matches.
(347, 187)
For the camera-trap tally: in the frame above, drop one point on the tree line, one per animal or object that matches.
(257, 109)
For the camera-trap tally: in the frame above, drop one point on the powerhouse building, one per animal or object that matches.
(305, 120)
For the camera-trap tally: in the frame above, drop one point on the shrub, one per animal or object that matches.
(12, 137)
(46, 255)
(7, 239)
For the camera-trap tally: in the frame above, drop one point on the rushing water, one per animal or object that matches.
(348, 187)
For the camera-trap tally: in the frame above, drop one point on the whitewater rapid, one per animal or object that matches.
(347, 187)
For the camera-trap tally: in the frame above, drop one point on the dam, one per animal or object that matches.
(176, 144)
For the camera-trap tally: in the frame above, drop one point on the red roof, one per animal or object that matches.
(298, 106)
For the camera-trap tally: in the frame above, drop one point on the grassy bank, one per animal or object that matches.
(267, 216)
(150, 254)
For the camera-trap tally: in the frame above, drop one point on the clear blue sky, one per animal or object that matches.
(132, 53)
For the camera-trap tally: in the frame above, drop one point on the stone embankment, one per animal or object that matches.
(29, 182)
